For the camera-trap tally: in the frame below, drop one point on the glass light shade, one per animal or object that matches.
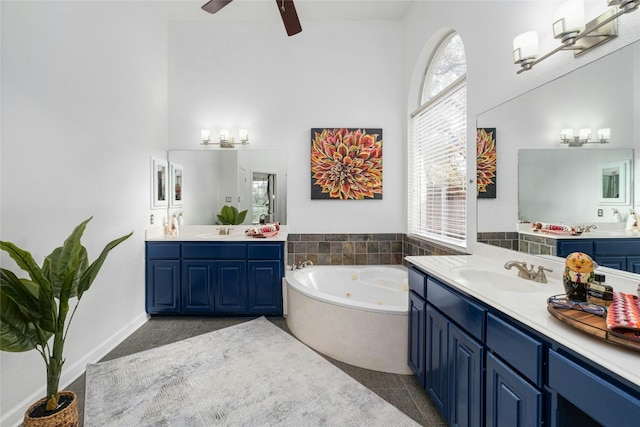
(604, 134)
(566, 134)
(568, 18)
(205, 134)
(584, 134)
(244, 135)
(525, 46)
(224, 134)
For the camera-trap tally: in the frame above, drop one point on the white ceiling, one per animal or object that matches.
(308, 10)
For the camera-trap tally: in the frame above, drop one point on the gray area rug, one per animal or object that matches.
(251, 374)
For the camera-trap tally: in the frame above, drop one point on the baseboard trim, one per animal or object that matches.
(14, 416)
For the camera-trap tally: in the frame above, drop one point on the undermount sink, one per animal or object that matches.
(507, 281)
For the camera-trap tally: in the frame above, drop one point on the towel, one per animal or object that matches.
(262, 231)
(566, 230)
(623, 315)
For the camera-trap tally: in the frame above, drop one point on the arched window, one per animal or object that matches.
(437, 149)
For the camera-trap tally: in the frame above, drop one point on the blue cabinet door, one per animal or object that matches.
(436, 379)
(465, 357)
(162, 286)
(197, 287)
(633, 264)
(230, 286)
(417, 325)
(617, 262)
(264, 287)
(511, 401)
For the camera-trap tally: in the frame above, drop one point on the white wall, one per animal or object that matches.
(336, 73)
(84, 107)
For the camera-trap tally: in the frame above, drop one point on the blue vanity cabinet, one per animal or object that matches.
(514, 377)
(162, 278)
(417, 335)
(218, 278)
(417, 324)
(455, 354)
(621, 254)
(583, 396)
(265, 268)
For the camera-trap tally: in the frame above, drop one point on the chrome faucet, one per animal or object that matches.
(529, 274)
(300, 265)
(586, 228)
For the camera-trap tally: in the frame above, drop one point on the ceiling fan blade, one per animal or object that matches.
(289, 16)
(215, 5)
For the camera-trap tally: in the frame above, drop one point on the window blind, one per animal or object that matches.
(437, 182)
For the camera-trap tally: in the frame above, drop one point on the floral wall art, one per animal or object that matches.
(486, 151)
(346, 163)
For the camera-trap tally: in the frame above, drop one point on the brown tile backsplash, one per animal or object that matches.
(358, 249)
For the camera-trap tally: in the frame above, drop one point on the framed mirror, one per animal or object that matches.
(251, 179)
(615, 182)
(584, 98)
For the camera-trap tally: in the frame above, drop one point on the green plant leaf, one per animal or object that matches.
(56, 281)
(240, 217)
(90, 273)
(19, 312)
(25, 261)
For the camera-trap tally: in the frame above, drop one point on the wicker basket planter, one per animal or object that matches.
(66, 417)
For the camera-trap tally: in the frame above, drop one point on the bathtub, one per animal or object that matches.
(355, 314)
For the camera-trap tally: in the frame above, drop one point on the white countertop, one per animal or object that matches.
(211, 233)
(530, 308)
(611, 230)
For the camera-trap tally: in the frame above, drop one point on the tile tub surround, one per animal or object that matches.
(358, 249)
(345, 249)
(502, 239)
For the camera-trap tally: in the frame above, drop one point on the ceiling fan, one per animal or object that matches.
(285, 7)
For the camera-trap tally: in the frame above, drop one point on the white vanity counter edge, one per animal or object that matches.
(605, 230)
(530, 308)
(211, 233)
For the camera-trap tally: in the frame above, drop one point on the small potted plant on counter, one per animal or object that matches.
(34, 315)
(229, 215)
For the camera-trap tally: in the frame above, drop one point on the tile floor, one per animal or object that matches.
(402, 391)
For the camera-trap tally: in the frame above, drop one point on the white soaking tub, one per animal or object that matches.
(355, 314)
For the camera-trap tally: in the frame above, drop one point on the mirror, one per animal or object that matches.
(601, 94)
(559, 185)
(250, 179)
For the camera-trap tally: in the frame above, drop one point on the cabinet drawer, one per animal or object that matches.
(418, 282)
(465, 313)
(601, 400)
(613, 247)
(163, 250)
(567, 247)
(265, 250)
(521, 351)
(214, 250)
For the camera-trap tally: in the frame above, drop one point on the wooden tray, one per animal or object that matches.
(596, 326)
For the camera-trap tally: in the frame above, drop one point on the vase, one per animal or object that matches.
(67, 416)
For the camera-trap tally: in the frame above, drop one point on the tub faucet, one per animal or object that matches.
(529, 274)
(303, 264)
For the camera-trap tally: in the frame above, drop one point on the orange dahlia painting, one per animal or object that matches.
(486, 150)
(346, 163)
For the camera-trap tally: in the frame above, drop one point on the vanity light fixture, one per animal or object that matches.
(244, 136)
(584, 137)
(205, 136)
(574, 34)
(225, 140)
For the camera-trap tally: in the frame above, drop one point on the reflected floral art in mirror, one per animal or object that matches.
(346, 163)
(486, 162)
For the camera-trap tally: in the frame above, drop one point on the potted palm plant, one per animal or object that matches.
(34, 315)
(229, 215)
